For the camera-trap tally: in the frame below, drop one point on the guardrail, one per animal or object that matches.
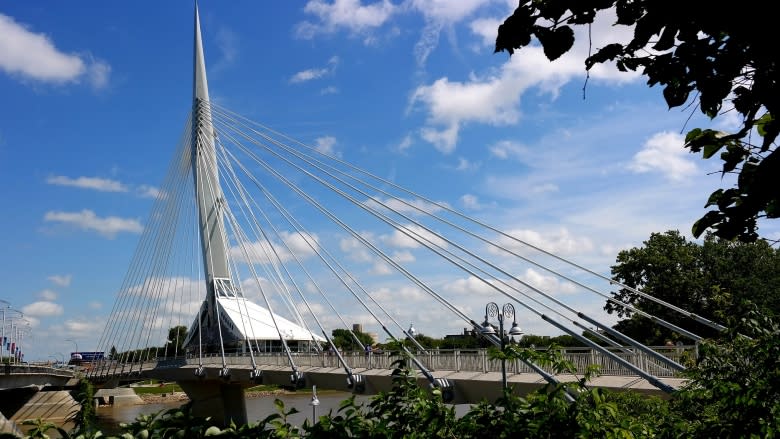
(15, 369)
(472, 360)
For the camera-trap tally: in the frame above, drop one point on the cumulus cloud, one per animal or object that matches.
(470, 201)
(60, 280)
(355, 250)
(469, 286)
(400, 239)
(87, 220)
(664, 153)
(48, 295)
(406, 206)
(559, 242)
(547, 283)
(486, 29)
(494, 98)
(94, 183)
(43, 309)
(263, 252)
(405, 143)
(350, 15)
(316, 73)
(325, 145)
(33, 56)
(146, 191)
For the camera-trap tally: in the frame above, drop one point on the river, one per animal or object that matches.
(109, 417)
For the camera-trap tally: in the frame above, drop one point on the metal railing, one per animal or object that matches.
(471, 360)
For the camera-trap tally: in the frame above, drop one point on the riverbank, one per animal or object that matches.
(158, 398)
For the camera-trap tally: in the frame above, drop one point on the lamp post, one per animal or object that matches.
(506, 312)
(314, 403)
(74, 343)
(6, 306)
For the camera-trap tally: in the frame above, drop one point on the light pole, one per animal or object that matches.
(74, 343)
(314, 403)
(6, 306)
(506, 312)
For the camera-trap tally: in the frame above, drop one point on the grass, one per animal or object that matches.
(156, 389)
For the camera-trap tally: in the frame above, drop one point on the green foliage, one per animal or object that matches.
(719, 57)
(345, 341)
(174, 346)
(733, 392)
(707, 279)
(84, 419)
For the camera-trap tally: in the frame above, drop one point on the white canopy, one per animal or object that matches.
(255, 323)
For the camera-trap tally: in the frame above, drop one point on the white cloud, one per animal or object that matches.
(351, 15)
(95, 305)
(329, 90)
(486, 29)
(261, 252)
(406, 206)
(146, 191)
(494, 98)
(400, 239)
(466, 165)
(316, 73)
(94, 183)
(48, 295)
(60, 280)
(469, 286)
(548, 283)
(403, 257)
(507, 149)
(448, 11)
(355, 249)
(325, 145)
(83, 326)
(558, 242)
(406, 142)
(664, 153)
(87, 220)
(470, 201)
(42, 309)
(381, 268)
(34, 56)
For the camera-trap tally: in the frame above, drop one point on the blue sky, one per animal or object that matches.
(96, 96)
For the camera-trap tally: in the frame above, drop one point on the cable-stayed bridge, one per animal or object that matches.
(257, 248)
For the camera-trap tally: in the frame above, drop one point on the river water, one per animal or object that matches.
(109, 417)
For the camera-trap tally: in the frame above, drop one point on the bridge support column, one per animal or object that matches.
(223, 402)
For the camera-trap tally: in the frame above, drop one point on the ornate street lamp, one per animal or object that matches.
(506, 312)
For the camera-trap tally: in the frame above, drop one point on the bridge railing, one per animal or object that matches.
(14, 369)
(474, 360)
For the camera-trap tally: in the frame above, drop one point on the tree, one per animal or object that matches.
(722, 58)
(707, 279)
(174, 344)
(344, 340)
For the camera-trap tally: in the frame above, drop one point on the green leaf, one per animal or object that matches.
(711, 149)
(555, 42)
(708, 220)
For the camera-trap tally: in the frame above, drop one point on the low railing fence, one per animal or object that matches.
(474, 360)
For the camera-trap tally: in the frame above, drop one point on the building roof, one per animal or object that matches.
(255, 323)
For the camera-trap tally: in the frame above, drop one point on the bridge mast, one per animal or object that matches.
(208, 195)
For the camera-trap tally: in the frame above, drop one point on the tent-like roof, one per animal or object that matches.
(255, 323)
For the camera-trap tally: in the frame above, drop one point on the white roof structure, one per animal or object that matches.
(254, 322)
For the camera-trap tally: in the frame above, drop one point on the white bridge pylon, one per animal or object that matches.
(271, 245)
